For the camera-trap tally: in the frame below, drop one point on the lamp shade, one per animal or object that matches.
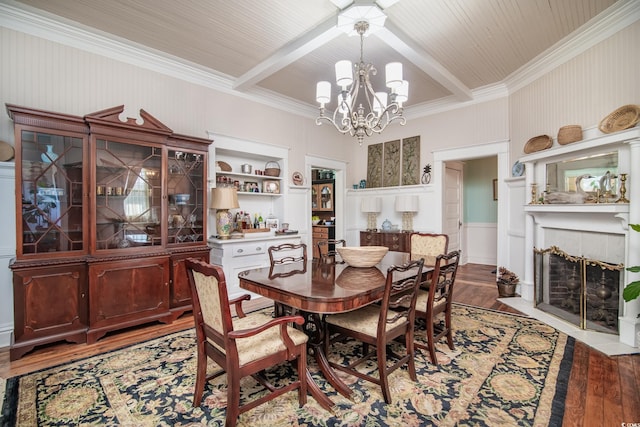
(224, 198)
(394, 74)
(323, 92)
(406, 203)
(371, 204)
(402, 92)
(344, 73)
(379, 102)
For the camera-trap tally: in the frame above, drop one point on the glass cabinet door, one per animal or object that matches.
(52, 193)
(314, 197)
(186, 207)
(326, 197)
(128, 195)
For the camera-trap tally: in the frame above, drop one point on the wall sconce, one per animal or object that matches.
(223, 199)
(408, 205)
(371, 206)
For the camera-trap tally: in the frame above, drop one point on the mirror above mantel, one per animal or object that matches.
(584, 174)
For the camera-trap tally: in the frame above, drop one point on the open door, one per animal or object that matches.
(453, 205)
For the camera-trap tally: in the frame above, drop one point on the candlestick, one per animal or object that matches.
(623, 189)
(534, 194)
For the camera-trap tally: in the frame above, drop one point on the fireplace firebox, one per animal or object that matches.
(582, 291)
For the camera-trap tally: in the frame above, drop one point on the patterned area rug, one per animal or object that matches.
(505, 370)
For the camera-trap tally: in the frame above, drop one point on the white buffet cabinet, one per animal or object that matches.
(237, 255)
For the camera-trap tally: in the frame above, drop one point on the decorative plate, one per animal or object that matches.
(297, 178)
(6, 151)
(224, 166)
(517, 169)
(623, 118)
(538, 143)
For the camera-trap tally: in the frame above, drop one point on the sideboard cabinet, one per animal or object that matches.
(396, 241)
(107, 211)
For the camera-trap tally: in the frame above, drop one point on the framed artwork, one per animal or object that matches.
(272, 187)
(374, 166)
(391, 164)
(411, 161)
(271, 223)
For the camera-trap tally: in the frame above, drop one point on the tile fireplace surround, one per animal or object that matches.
(597, 231)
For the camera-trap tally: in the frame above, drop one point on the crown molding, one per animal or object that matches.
(614, 19)
(480, 95)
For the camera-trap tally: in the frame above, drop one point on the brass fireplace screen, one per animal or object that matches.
(582, 291)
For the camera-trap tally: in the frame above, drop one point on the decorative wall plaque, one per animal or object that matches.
(391, 164)
(411, 161)
(374, 166)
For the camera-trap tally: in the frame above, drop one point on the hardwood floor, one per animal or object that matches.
(602, 391)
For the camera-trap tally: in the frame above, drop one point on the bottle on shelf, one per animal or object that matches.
(255, 221)
(260, 221)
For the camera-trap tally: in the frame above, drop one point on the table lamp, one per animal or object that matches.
(408, 205)
(223, 199)
(371, 206)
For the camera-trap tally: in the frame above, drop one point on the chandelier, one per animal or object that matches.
(362, 111)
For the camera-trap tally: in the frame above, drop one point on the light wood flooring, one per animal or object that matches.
(603, 391)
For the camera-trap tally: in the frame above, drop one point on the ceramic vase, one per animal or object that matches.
(49, 156)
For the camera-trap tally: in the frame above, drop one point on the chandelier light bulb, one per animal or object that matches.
(393, 72)
(323, 93)
(344, 73)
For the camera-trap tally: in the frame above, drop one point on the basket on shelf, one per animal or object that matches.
(622, 118)
(538, 143)
(570, 133)
(272, 169)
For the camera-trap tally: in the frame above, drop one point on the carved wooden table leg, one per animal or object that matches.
(314, 328)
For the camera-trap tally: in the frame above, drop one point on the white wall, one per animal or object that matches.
(7, 250)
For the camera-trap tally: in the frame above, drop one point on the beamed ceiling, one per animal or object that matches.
(453, 51)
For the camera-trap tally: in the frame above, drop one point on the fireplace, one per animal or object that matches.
(594, 235)
(582, 291)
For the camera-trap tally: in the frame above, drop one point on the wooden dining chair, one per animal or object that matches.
(428, 246)
(287, 253)
(437, 300)
(328, 250)
(241, 346)
(380, 324)
(279, 255)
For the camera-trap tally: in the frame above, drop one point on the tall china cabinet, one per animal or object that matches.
(107, 212)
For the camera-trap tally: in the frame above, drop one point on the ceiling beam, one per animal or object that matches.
(394, 37)
(289, 53)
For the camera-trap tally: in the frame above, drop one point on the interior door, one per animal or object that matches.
(453, 206)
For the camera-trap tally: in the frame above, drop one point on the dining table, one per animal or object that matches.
(313, 289)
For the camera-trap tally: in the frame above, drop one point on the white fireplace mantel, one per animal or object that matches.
(609, 217)
(606, 218)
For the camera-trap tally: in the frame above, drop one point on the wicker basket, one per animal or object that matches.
(272, 169)
(623, 118)
(570, 133)
(538, 143)
(362, 256)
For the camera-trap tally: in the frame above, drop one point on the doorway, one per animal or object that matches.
(338, 169)
(445, 157)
